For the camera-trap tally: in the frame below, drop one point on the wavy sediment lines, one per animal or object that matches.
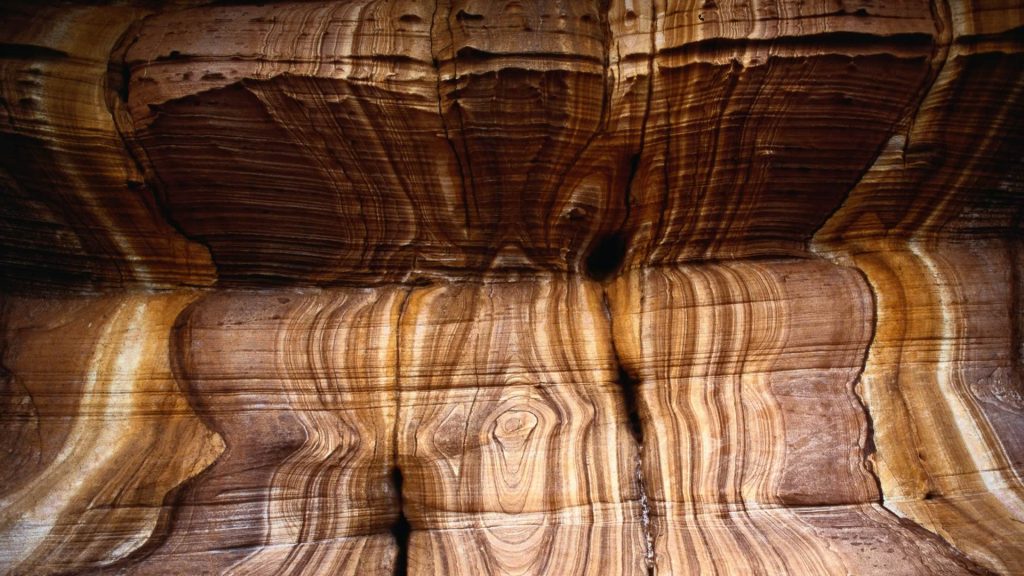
(300, 385)
(321, 339)
(523, 95)
(933, 234)
(736, 162)
(993, 467)
(440, 142)
(941, 373)
(556, 223)
(37, 504)
(343, 118)
(512, 432)
(75, 203)
(106, 484)
(755, 458)
(329, 40)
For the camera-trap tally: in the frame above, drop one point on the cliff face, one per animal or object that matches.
(473, 287)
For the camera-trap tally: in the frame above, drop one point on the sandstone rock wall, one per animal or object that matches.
(473, 287)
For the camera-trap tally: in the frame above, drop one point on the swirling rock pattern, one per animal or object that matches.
(471, 287)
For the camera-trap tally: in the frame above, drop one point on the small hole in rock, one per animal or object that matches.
(606, 257)
(463, 16)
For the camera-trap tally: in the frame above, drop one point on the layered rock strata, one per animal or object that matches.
(465, 287)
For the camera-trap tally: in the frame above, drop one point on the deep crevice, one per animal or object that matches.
(645, 518)
(942, 17)
(629, 385)
(400, 529)
(119, 77)
(606, 257)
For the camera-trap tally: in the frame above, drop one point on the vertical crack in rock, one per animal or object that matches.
(634, 162)
(861, 395)
(400, 529)
(629, 386)
(608, 253)
(645, 516)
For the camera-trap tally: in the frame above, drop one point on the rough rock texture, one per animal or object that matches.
(474, 287)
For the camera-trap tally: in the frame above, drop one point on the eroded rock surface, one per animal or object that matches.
(470, 287)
